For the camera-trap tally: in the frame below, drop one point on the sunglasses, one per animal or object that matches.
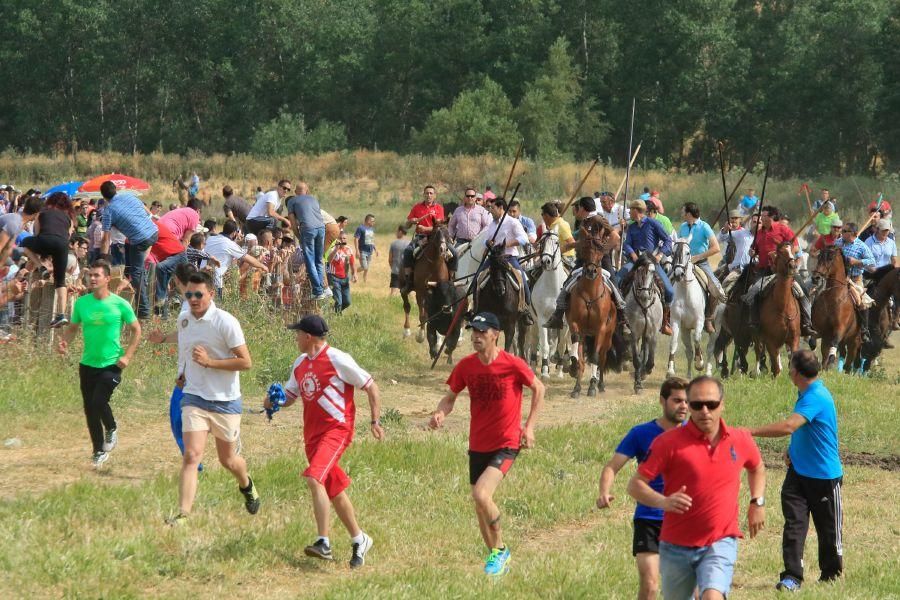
(470, 195)
(189, 295)
(285, 188)
(710, 405)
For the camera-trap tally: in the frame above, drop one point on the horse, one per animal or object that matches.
(779, 313)
(436, 296)
(591, 314)
(736, 321)
(833, 313)
(687, 309)
(550, 280)
(500, 297)
(644, 309)
(880, 316)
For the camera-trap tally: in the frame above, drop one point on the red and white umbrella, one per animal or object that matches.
(123, 182)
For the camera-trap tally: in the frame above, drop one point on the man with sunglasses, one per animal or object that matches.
(701, 466)
(264, 213)
(824, 241)
(469, 219)
(647, 520)
(814, 474)
(859, 258)
(211, 353)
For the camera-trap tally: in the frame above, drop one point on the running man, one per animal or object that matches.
(495, 380)
(647, 520)
(101, 315)
(211, 353)
(324, 378)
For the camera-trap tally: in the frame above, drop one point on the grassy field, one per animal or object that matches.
(68, 531)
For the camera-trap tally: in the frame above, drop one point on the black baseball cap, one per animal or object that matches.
(484, 321)
(311, 324)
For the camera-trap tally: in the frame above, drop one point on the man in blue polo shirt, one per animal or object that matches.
(814, 476)
(636, 444)
(703, 244)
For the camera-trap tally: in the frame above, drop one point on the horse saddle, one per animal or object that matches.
(706, 285)
(763, 287)
(861, 299)
(509, 272)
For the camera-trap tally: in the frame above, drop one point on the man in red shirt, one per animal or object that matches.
(426, 215)
(495, 380)
(828, 239)
(324, 379)
(701, 466)
(769, 236)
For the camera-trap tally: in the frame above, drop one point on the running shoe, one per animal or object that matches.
(328, 293)
(177, 521)
(58, 321)
(497, 563)
(319, 550)
(99, 458)
(251, 498)
(358, 558)
(788, 584)
(110, 440)
(321, 296)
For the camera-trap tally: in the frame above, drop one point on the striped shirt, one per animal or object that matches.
(127, 214)
(195, 256)
(858, 250)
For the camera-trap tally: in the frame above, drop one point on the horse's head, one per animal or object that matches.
(644, 281)
(785, 261)
(548, 247)
(681, 259)
(438, 240)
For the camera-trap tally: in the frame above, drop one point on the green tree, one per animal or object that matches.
(287, 134)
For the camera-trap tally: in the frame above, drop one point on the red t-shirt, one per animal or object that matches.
(325, 382)
(340, 261)
(166, 244)
(427, 215)
(711, 476)
(768, 240)
(825, 241)
(495, 391)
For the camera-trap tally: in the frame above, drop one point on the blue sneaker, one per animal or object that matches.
(788, 584)
(497, 563)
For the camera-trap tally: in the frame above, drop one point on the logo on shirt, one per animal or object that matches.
(184, 323)
(309, 386)
(733, 454)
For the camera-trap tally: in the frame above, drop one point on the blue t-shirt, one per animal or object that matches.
(814, 446)
(748, 202)
(700, 234)
(366, 237)
(307, 211)
(636, 444)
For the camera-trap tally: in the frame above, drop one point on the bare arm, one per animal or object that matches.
(780, 428)
(375, 410)
(158, 337)
(134, 330)
(607, 476)
(239, 362)
(5, 246)
(444, 408)
(756, 515)
(275, 215)
(639, 489)
(712, 251)
(537, 401)
(254, 263)
(66, 337)
(104, 243)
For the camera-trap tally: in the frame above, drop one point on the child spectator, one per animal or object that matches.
(195, 252)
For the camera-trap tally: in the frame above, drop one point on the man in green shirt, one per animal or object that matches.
(101, 314)
(653, 213)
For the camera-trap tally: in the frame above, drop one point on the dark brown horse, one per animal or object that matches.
(498, 295)
(833, 313)
(436, 295)
(592, 311)
(779, 312)
(880, 317)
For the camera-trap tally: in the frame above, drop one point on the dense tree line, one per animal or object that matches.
(815, 83)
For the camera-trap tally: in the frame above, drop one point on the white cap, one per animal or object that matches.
(250, 237)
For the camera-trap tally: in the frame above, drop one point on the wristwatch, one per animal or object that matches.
(761, 501)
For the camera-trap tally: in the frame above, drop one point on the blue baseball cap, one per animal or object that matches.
(484, 321)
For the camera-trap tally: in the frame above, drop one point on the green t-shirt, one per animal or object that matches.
(665, 222)
(101, 321)
(824, 222)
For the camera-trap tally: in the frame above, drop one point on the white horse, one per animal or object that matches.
(543, 299)
(644, 308)
(687, 309)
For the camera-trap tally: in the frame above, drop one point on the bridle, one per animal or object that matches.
(681, 260)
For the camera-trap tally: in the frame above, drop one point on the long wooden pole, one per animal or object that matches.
(736, 186)
(627, 177)
(513, 169)
(630, 164)
(578, 189)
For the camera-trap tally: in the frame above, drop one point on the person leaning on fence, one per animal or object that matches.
(12, 224)
(308, 222)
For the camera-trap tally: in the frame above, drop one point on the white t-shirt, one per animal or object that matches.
(225, 250)
(615, 216)
(217, 331)
(260, 209)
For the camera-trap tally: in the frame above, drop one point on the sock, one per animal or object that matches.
(249, 485)
(324, 539)
(359, 538)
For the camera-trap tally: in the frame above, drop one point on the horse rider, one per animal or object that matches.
(426, 215)
(884, 250)
(823, 241)
(515, 211)
(552, 221)
(859, 258)
(770, 234)
(508, 235)
(469, 219)
(703, 244)
(737, 241)
(586, 214)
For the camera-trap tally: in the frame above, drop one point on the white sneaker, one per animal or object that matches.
(99, 459)
(328, 293)
(320, 297)
(110, 440)
(358, 558)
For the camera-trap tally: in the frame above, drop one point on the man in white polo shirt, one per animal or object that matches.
(211, 353)
(224, 248)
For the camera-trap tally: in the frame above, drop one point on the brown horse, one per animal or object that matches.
(833, 313)
(436, 296)
(779, 313)
(592, 311)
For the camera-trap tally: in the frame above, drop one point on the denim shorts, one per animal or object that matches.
(682, 568)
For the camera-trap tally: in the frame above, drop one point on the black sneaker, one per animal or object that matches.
(251, 498)
(319, 550)
(58, 321)
(358, 558)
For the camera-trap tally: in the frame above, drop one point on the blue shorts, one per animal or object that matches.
(682, 568)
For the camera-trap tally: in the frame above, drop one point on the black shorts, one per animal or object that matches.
(499, 459)
(646, 536)
(395, 280)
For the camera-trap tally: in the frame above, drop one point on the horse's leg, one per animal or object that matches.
(673, 347)
(687, 340)
(697, 334)
(577, 366)
(773, 349)
(432, 335)
(592, 386)
(637, 358)
(544, 345)
(406, 308)
(650, 359)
